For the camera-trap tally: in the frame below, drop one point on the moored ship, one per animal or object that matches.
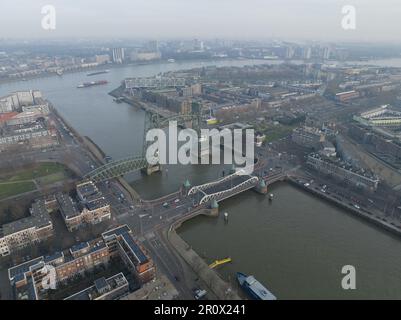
(92, 83)
(254, 288)
(97, 72)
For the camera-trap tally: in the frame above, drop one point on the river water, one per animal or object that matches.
(295, 245)
(118, 128)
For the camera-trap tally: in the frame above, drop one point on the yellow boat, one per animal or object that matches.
(219, 262)
(212, 121)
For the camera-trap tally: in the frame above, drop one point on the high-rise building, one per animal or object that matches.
(326, 53)
(118, 55)
(307, 53)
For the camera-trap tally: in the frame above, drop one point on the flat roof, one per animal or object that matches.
(97, 203)
(39, 218)
(23, 267)
(94, 291)
(116, 231)
(68, 207)
(134, 248)
(86, 189)
(79, 246)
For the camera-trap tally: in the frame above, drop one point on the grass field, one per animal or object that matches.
(277, 132)
(39, 170)
(14, 188)
(22, 180)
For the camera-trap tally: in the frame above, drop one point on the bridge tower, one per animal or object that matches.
(192, 120)
(151, 121)
(186, 186)
(214, 208)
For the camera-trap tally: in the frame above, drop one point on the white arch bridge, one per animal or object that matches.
(231, 185)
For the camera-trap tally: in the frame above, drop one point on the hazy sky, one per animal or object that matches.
(376, 20)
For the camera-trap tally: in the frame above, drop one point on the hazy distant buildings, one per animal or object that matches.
(23, 121)
(347, 96)
(326, 53)
(18, 99)
(102, 58)
(307, 53)
(118, 55)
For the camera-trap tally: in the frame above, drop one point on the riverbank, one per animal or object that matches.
(220, 288)
(361, 213)
(115, 66)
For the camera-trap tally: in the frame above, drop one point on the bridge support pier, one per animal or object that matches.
(213, 211)
(151, 169)
(261, 187)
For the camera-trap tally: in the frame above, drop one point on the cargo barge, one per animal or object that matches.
(254, 288)
(97, 72)
(92, 83)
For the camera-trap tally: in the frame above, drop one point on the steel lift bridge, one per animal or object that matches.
(118, 168)
(224, 188)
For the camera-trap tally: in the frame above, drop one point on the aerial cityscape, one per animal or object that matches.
(179, 164)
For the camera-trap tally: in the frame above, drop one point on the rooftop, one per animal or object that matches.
(101, 286)
(68, 207)
(39, 218)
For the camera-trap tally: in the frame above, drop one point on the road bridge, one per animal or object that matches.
(233, 184)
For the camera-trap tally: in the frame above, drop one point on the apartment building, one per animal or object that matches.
(27, 277)
(91, 208)
(27, 231)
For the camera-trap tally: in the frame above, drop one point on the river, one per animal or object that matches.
(118, 128)
(295, 245)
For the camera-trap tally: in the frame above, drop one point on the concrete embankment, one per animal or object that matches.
(362, 213)
(215, 283)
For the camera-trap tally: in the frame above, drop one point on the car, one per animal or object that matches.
(165, 204)
(177, 200)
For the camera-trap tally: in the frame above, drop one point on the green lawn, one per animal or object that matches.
(277, 132)
(40, 170)
(14, 188)
(52, 178)
(21, 181)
